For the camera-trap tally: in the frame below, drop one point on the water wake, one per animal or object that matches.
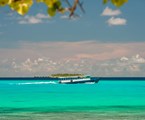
(35, 83)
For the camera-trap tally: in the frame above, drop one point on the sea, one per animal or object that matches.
(48, 100)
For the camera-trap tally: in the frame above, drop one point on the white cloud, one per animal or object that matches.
(89, 66)
(102, 59)
(73, 18)
(45, 66)
(134, 68)
(116, 21)
(37, 19)
(30, 20)
(132, 64)
(42, 16)
(109, 12)
(64, 17)
(40, 59)
(138, 59)
(124, 59)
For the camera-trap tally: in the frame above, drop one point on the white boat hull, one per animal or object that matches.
(76, 81)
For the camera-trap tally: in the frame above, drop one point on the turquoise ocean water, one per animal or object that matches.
(47, 100)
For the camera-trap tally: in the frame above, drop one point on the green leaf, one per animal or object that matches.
(118, 3)
(39, 1)
(105, 1)
(4, 2)
(58, 4)
(22, 7)
(50, 3)
(51, 11)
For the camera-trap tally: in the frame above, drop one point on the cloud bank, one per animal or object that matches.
(88, 57)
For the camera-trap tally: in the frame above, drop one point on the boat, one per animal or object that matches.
(76, 79)
(67, 78)
(79, 80)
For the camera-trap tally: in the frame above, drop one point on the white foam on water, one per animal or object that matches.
(89, 83)
(36, 83)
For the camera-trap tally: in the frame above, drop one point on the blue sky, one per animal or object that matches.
(106, 37)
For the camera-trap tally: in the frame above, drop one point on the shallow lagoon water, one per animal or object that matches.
(47, 100)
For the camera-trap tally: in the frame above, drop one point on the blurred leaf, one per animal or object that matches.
(4, 2)
(21, 6)
(50, 3)
(62, 10)
(58, 4)
(51, 11)
(118, 3)
(39, 1)
(105, 1)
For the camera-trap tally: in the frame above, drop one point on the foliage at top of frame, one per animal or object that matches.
(53, 6)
